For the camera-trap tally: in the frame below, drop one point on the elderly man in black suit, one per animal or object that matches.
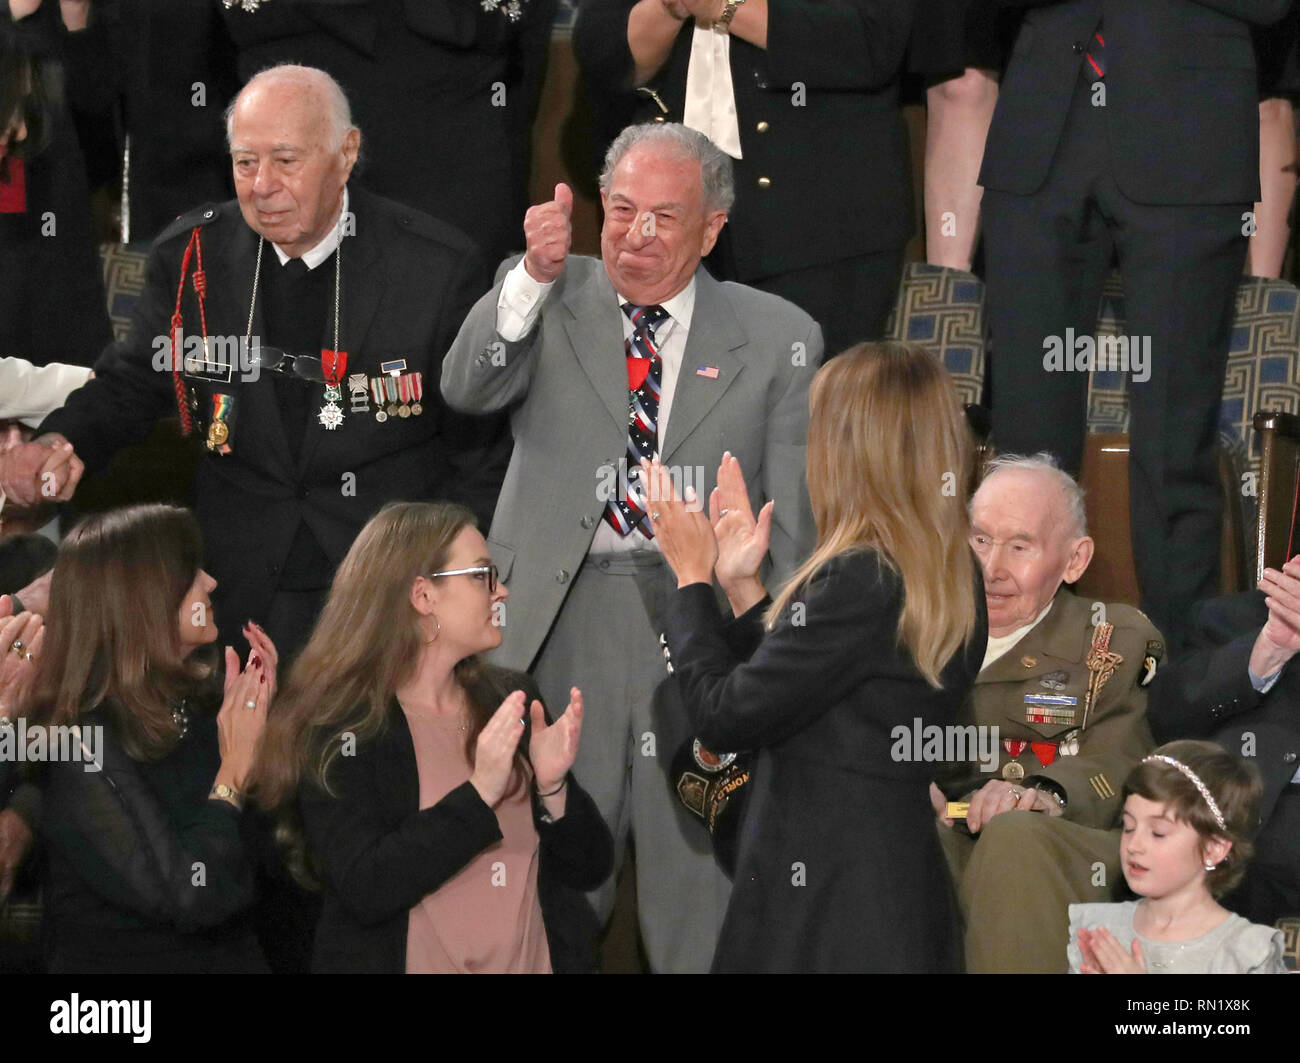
(803, 95)
(1132, 126)
(306, 266)
(1237, 687)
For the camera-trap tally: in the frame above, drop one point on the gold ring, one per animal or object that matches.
(16, 647)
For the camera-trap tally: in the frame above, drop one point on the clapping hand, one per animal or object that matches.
(1103, 954)
(683, 532)
(553, 749)
(494, 752)
(742, 540)
(263, 650)
(1279, 639)
(21, 638)
(242, 717)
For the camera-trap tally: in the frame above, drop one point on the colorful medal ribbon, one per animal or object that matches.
(417, 393)
(1013, 748)
(404, 394)
(333, 364)
(219, 429)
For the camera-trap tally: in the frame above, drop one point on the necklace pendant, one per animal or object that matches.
(331, 415)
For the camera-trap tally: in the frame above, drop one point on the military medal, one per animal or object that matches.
(333, 363)
(1050, 709)
(219, 428)
(710, 762)
(390, 393)
(417, 393)
(404, 391)
(1101, 666)
(377, 393)
(1044, 751)
(1069, 744)
(358, 393)
(1012, 770)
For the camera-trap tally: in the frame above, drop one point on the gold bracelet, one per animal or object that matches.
(221, 792)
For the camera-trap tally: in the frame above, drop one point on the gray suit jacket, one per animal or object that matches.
(566, 382)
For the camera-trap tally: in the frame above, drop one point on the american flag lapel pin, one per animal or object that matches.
(709, 371)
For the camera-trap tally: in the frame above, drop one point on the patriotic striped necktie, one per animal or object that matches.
(644, 375)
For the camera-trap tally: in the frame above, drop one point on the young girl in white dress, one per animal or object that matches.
(1189, 810)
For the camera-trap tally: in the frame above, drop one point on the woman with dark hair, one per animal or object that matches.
(147, 871)
(425, 788)
(838, 867)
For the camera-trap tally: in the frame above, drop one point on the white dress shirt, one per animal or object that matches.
(998, 645)
(29, 393)
(520, 302)
(325, 248)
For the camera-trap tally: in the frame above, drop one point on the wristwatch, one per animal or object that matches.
(729, 12)
(221, 792)
(1051, 787)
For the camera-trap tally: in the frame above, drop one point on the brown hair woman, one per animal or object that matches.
(432, 795)
(146, 868)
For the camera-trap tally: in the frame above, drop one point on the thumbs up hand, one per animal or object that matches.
(548, 230)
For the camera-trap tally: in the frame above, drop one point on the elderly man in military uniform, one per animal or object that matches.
(1063, 684)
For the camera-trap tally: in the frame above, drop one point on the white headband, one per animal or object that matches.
(1196, 781)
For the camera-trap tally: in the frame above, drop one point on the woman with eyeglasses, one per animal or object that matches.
(427, 791)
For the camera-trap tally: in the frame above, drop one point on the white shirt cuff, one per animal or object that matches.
(520, 302)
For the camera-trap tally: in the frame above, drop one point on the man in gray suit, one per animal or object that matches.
(604, 363)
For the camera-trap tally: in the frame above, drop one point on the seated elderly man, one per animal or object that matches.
(1062, 696)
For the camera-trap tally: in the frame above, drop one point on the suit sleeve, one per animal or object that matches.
(784, 465)
(837, 44)
(818, 652)
(378, 871)
(110, 827)
(1191, 697)
(600, 45)
(128, 394)
(482, 372)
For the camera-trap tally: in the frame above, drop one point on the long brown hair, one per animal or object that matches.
(365, 646)
(889, 458)
(112, 633)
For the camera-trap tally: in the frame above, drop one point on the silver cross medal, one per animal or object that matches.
(331, 414)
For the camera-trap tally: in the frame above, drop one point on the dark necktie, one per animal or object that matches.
(644, 377)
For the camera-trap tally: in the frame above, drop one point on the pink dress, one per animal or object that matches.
(487, 917)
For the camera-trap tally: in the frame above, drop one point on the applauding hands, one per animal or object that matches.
(551, 749)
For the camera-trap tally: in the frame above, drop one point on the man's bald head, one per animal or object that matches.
(293, 146)
(1030, 533)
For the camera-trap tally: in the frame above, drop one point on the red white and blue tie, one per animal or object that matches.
(644, 378)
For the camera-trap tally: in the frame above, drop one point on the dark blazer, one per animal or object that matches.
(1181, 100)
(408, 281)
(145, 873)
(835, 166)
(379, 853)
(839, 867)
(1208, 694)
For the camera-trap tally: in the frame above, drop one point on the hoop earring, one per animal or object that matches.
(431, 641)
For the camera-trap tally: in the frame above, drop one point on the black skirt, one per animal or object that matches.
(950, 35)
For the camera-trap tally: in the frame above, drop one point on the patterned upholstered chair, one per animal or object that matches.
(1263, 374)
(942, 309)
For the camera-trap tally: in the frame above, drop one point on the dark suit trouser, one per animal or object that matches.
(1046, 256)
